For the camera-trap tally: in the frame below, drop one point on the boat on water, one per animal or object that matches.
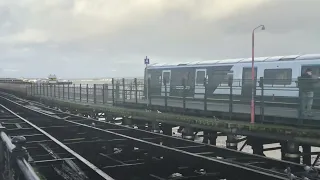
(52, 79)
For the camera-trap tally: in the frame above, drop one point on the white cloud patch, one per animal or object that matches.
(87, 38)
(65, 20)
(26, 36)
(10, 70)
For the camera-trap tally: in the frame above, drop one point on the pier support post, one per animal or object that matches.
(209, 137)
(292, 153)
(213, 138)
(256, 145)
(166, 129)
(307, 154)
(283, 150)
(231, 142)
(127, 121)
(155, 127)
(206, 136)
(187, 133)
(257, 148)
(109, 118)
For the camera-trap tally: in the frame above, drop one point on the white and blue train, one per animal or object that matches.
(280, 75)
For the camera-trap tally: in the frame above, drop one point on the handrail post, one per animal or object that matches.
(131, 88)
(300, 103)
(48, 90)
(123, 91)
(87, 91)
(184, 94)
(31, 89)
(43, 90)
(13, 157)
(103, 93)
(230, 84)
(149, 92)
(62, 91)
(59, 91)
(106, 93)
(205, 95)
(2, 150)
(80, 92)
(117, 91)
(54, 91)
(68, 91)
(40, 89)
(95, 94)
(165, 94)
(136, 90)
(74, 92)
(113, 101)
(261, 84)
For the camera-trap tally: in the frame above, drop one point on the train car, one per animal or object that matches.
(280, 75)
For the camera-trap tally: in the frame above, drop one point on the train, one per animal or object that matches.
(280, 74)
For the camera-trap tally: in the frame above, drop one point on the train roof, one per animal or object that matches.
(239, 60)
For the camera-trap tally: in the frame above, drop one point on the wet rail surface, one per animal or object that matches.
(128, 153)
(46, 156)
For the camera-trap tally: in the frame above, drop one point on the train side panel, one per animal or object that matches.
(279, 79)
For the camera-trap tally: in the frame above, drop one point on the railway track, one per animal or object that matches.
(127, 153)
(49, 158)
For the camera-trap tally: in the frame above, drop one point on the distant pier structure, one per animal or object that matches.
(52, 79)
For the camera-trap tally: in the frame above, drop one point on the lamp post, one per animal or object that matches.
(253, 75)
(146, 62)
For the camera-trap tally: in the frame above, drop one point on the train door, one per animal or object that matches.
(246, 88)
(155, 83)
(199, 88)
(316, 74)
(166, 76)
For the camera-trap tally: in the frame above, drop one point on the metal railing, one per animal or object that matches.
(232, 93)
(13, 158)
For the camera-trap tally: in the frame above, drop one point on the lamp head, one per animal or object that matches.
(263, 28)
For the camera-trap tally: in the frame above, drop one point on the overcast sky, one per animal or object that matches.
(110, 38)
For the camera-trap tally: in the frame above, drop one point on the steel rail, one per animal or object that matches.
(210, 147)
(253, 171)
(79, 157)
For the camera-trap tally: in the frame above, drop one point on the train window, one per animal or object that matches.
(186, 77)
(247, 75)
(178, 76)
(200, 77)
(166, 76)
(315, 69)
(247, 79)
(221, 76)
(278, 76)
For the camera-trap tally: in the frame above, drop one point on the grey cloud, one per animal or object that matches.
(111, 38)
(280, 16)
